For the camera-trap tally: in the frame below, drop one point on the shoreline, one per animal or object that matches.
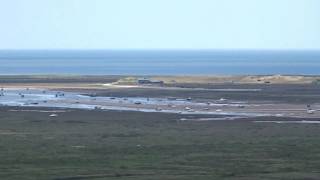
(168, 81)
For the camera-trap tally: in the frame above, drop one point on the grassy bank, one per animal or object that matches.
(132, 145)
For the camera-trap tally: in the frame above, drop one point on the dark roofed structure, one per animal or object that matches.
(150, 81)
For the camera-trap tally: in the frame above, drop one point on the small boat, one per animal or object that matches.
(53, 115)
(97, 108)
(310, 111)
(240, 106)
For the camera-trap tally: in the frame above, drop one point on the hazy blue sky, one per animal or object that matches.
(113, 24)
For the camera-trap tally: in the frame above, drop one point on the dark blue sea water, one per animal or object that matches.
(160, 62)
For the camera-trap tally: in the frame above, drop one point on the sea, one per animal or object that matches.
(159, 62)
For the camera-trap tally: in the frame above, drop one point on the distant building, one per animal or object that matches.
(147, 81)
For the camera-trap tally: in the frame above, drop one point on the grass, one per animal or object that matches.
(98, 145)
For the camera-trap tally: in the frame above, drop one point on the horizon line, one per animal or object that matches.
(162, 49)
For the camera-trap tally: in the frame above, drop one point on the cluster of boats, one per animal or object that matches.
(48, 98)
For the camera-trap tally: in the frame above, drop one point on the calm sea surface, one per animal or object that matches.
(160, 62)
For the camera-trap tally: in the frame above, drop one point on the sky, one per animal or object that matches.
(159, 24)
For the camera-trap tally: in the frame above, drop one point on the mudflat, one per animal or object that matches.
(285, 96)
